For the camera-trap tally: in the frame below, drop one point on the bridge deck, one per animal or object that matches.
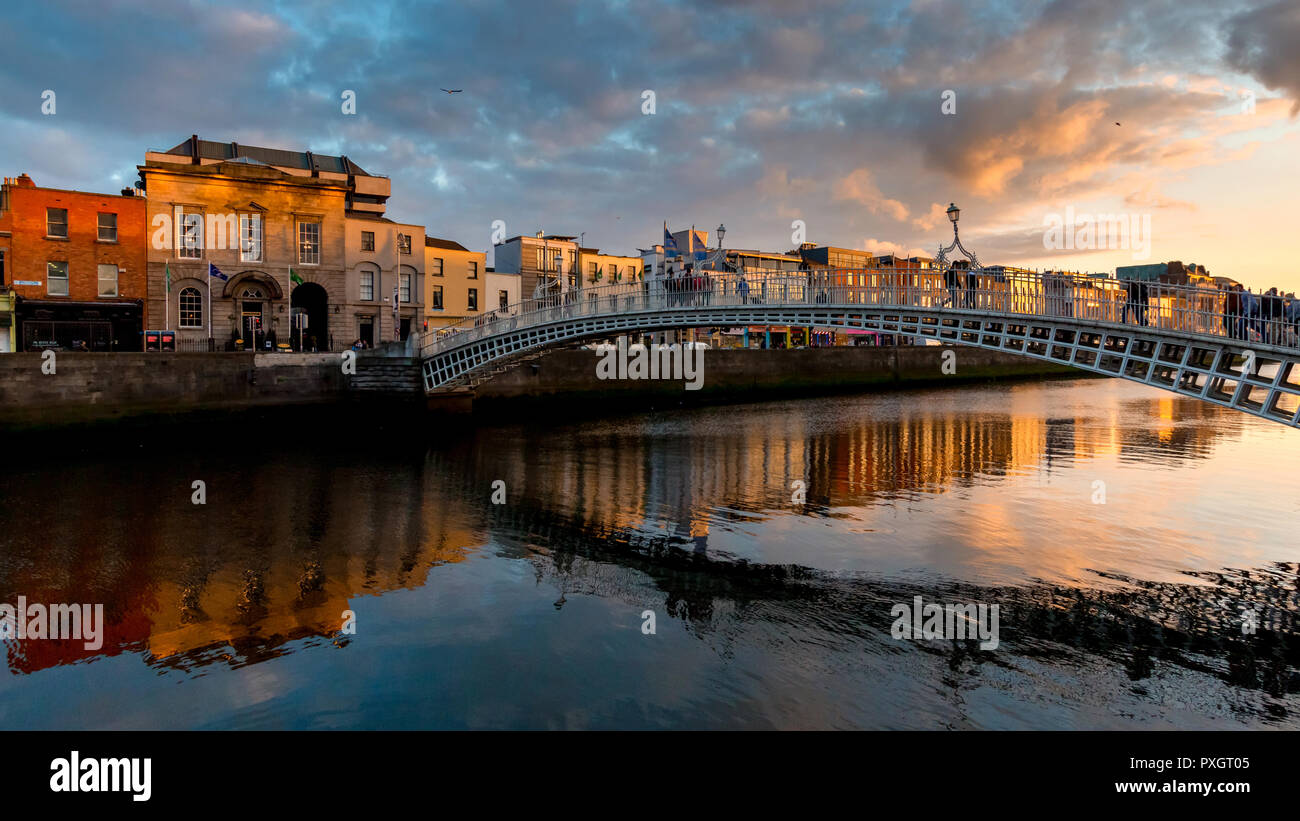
(1187, 340)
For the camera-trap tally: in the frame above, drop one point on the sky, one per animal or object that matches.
(847, 124)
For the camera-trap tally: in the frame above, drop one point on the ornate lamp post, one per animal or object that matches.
(954, 213)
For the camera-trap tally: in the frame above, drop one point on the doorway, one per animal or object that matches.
(251, 327)
(310, 300)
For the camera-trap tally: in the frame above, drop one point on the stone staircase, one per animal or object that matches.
(387, 376)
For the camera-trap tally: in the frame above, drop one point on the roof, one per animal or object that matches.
(434, 242)
(305, 160)
(362, 215)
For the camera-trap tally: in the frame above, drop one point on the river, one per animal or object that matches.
(718, 567)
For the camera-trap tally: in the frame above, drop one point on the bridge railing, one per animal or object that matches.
(1187, 309)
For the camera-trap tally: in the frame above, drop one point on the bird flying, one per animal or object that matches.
(451, 90)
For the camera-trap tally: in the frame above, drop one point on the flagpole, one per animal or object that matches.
(209, 305)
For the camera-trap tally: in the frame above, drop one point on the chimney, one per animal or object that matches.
(25, 181)
(194, 149)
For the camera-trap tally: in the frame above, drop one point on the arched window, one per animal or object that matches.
(191, 308)
(252, 293)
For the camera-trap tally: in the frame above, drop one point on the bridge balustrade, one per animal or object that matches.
(1158, 306)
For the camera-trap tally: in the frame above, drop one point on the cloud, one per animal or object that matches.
(858, 187)
(766, 111)
(1265, 42)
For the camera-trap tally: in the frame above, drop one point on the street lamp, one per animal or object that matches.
(722, 231)
(954, 213)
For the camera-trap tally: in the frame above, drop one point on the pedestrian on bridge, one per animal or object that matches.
(1232, 312)
(742, 290)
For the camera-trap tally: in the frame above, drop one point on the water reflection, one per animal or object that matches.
(979, 494)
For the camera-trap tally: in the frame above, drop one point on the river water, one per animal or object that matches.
(667, 569)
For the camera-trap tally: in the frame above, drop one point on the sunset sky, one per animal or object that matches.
(766, 113)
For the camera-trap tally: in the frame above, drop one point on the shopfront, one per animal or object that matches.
(80, 326)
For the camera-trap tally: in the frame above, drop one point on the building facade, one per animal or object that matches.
(502, 290)
(242, 239)
(72, 268)
(385, 261)
(547, 264)
(458, 283)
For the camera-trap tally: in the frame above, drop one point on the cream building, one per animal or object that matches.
(502, 289)
(384, 259)
(254, 213)
(457, 283)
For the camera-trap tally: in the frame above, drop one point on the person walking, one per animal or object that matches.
(1232, 312)
(1272, 315)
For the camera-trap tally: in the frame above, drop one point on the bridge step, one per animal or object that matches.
(386, 375)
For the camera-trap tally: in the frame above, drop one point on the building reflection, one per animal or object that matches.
(282, 548)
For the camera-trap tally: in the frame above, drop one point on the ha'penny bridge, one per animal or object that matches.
(1182, 339)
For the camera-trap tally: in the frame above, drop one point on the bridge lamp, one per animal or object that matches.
(722, 231)
(953, 214)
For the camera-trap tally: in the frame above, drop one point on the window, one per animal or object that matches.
(2, 266)
(473, 269)
(404, 244)
(367, 285)
(309, 243)
(405, 289)
(191, 308)
(56, 222)
(108, 279)
(613, 271)
(473, 299)
(191, 236)
(503, 299)
(435, 267)
(591, 270)
(108, 227)
(367, 240)
(541, 260)
(250, 237)
(56, 278)
(437, 298)
(251, 293)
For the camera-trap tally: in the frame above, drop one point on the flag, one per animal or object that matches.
(294, 278)
(214, 271)
(167, 275)
(670, 244)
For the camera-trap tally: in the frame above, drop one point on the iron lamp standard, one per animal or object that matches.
(945, 267)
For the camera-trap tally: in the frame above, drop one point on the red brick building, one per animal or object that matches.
(76, 262)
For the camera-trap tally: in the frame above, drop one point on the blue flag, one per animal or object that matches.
(670, 244)
(214, 271)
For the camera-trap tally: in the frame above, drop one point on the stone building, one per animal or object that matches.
(272, 226)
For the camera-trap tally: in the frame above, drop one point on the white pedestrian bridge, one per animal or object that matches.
(1192, 341)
